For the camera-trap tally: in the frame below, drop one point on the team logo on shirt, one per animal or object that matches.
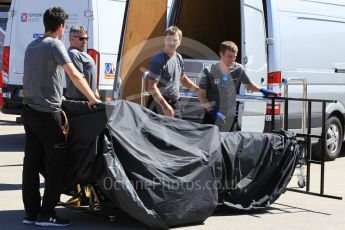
(24, 17)
(109, 71)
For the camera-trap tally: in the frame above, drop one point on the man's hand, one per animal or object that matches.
(168, 111)
(218, 117)
(93, 102)
(157, 96)
(268, 92)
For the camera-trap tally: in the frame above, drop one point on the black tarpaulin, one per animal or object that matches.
(162, 171)
(167, 172)
(168, 161)
(257, 168)
(85, 128)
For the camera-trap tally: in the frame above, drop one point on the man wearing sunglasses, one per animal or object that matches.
(82, 61)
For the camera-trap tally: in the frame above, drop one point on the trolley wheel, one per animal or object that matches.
(301, 184)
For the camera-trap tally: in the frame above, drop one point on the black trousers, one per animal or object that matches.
(155, 107)
(45, 151)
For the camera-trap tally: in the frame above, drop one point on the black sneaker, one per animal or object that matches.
(52, 221)
(29, 220)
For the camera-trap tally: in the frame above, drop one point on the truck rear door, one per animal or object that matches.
(139, 43)
(254, 59)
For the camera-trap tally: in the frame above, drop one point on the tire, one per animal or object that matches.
(334, 140)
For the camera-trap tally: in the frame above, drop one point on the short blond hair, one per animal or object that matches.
(172, 30)
(228, 45)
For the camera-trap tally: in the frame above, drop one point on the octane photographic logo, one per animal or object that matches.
(152, 184)
(24, 17)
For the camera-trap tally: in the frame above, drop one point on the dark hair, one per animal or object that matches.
(228, 45)
(53, 18)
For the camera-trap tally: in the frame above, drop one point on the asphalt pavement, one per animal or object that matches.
(291, 211)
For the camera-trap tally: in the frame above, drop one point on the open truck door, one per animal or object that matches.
(254, 59)
(142, 36)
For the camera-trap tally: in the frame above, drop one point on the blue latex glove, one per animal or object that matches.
(218, 117)
(268, 92)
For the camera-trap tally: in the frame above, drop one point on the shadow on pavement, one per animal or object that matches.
(283, 208)
(16, 165)
(12, 219)
(10, 123)
(12, 142)
(11, 187)
(277, 209)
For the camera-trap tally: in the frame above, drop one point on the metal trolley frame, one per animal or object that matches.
(306, 126)
(307, 137)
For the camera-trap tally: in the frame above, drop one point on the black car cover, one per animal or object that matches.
(257, 168)
(167, 172)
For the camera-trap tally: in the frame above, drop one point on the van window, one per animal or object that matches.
(3, 16)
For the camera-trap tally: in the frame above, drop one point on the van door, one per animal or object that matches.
(254, 59)
(139, 43)
(25, 25)
(105, 40)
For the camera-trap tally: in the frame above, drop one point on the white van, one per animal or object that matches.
(277, 40)
(103, 20)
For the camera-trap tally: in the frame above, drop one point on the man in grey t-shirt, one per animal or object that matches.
(45, 61)
(219, 85)
(166, 74)
(82, 61)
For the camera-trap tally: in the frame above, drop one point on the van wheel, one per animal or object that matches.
(334, 140)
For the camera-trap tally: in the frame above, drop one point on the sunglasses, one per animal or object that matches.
(82, 38)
